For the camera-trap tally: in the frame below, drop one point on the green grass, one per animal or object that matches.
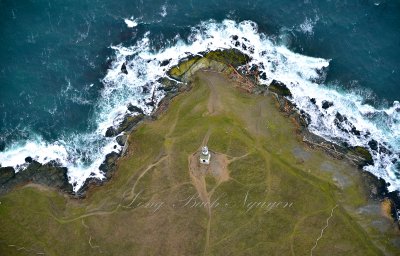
(156, 166)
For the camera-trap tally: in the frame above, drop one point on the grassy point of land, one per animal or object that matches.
(275, 196)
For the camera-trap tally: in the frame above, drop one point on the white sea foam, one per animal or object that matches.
(83, 153)
(163, 12)
(307, 27)
(131, 23)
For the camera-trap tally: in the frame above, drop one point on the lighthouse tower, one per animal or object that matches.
(205, 155)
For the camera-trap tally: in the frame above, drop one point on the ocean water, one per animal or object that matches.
(61, 85)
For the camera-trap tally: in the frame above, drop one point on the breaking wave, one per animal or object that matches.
(347, 119)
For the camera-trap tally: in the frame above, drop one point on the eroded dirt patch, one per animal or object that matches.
(218, 169)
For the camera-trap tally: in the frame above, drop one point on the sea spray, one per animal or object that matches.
(139, 86)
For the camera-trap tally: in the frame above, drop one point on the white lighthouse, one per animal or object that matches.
(205, 155)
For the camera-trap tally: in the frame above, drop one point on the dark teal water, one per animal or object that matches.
(53, 54)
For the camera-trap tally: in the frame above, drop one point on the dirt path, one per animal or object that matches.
(213, 105)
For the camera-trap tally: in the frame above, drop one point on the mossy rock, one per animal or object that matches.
(179, 70)
(279, 88)
(364, 154)
(218, 60)
(231, 56)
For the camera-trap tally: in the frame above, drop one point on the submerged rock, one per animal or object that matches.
(2, 146)
(313, 101)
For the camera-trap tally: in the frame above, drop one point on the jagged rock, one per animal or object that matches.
(304, 119)
(109, 163)
(168, 84)
(355, 131)
(121, 140)
(280, 88)
(218, 60)
(133, 108)
(150, 103)
(326, 104)
(89, 182)
(145, 89)
(47, 174)
(235, 37)
(6, 173)
(28, 159)
(365, 157)
(313, 101)
(128, 123)
(377, 186)
(340, 120)
(384, 150)
(123, 69)
(340, 117)
(165, 63)
(263, 76)
(111, 132)
(232, 57)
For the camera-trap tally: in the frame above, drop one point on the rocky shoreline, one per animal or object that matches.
(232, 63)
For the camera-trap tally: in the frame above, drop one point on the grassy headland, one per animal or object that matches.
(281, 197)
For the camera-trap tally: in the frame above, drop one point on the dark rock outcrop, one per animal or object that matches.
(279, 88)
(37, 173)
(111, 132)
(135, 109)
(165, 62)
(345, 125)
(6, 174)
(121, 140)
(169, 85)
(129, 123)
(364, 156)
(126, 125)
(123, 69)
(326, 104)
(89, 182)
(108, 166)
